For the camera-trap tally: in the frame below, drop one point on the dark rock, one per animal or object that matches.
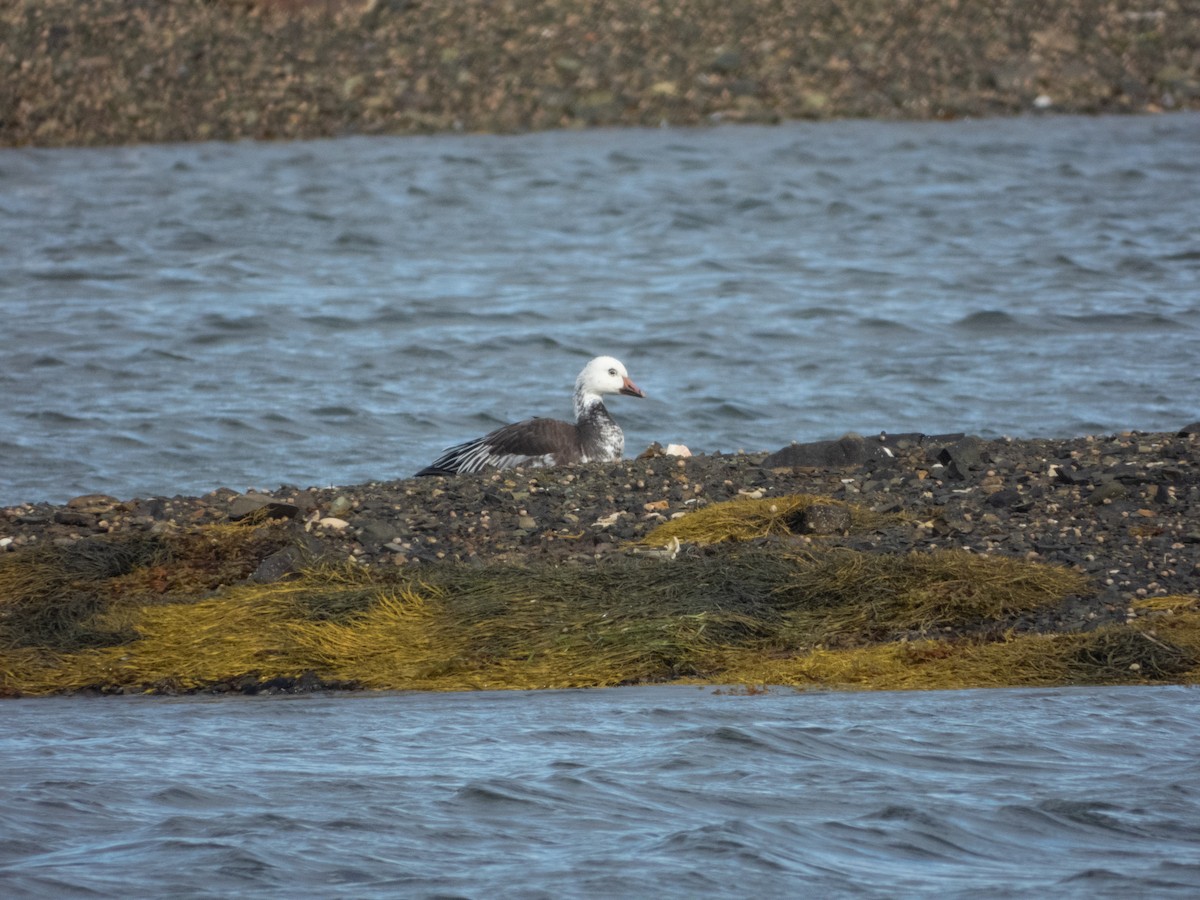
(248, 504)
(77, 519)
(1127, 473)
(726, 62)
(851, 450)
(93, 503)
(908, 439)
(153, 508)
(945, 526)
(952, 438)
(304, 501)
(279, 565)
(1194, 428)
(962, 457)
(1009, 498)
(1068, 473)
(306, 552)
(1108, 490)
(821, 518)
(374, 533)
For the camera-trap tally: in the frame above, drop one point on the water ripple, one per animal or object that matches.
(586, 793)
(765, 285)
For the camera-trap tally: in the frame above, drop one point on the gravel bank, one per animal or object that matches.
(909, 561)
(92, 72)
(1123, 509)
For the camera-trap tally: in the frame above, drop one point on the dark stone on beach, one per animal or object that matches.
(945, 526)
(374, 533)
(278, 565)
(821, 518)
(1194, 428)
(1009, 498)
(152, 507)
(304, 553)
(93, 503)
(1069, 474)
(248, 504)
(1108, 490)
(963, 457)
(1126, 473)
(78, 519)
(851, 450)
(726, 62)
(936, 439)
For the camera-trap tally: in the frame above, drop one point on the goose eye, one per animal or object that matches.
(612, 371)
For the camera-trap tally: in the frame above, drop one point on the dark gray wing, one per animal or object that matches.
(533, 442)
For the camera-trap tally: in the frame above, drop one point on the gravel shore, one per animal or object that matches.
(94, 72)
(905, 561)
(1123, 509)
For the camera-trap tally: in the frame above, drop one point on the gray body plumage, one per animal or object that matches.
(594, 437)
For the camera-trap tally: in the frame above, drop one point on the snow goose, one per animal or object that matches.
(595, 436)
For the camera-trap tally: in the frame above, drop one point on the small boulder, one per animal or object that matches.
(963, 457)
(1068, 473)
(75, 519)
(374, 532)
(1108, 490)
(821, 518)
(851, 450)
(306, 552)
(247, 504)
(92, 503)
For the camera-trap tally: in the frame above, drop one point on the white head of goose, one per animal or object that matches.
(595, 436)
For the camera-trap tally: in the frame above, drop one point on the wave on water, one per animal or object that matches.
(588, 793)
(764, 284)
(992, 321)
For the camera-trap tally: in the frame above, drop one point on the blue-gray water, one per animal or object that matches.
(173, 319)
(178, 318)
(664, 792)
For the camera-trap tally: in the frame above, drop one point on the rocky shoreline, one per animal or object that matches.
(96, 72)
(895, 561)
(1122, 509)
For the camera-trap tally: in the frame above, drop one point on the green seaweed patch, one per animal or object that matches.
(1116, 654)
(847, 598)
(741, 613)
(65, 597)
(749, 518)
(54, 595)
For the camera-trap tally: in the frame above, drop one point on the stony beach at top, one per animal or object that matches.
(95, 72)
